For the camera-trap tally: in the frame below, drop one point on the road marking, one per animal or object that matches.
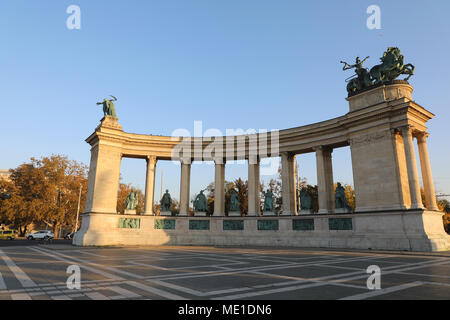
(96, 296)
(19, 273)
(20, 296)
(72, 261)
(61, 297)
(89, 253)
(61, 255)
(332, 282)
(2, 283)
(380, 292)
(159, 292)
(123, 292)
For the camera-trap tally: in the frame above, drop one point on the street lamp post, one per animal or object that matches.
(78, 210)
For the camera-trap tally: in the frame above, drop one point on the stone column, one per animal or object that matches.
(427, 177)
(150, 185)
(411, 165)
(325, 179)
(103, 182)
(288, 189)
(219, 187)
(185, 184)
(254, 198)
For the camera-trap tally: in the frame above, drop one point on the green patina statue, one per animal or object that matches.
(268, 201)
(108, 107)
(362, 79)
(166, 202)
(305, 199)
(234, 201)
(391, 67)
(340, 197)
(131, 201)
(200, 203)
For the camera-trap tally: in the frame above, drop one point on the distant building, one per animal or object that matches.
(4, 174)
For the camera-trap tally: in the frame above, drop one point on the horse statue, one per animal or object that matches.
(392, 66)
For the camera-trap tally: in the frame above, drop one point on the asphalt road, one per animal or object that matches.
(36, 272)
(25, 242)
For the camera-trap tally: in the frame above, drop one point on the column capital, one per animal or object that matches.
(151, 159)
(395, 131)
(186, 160)
(254, 159)
(421, 136)
(288, 154)
(220, 160)
(406, 129)
(323, 148)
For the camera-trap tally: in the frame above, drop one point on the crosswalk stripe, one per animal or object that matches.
(74, 261)
(156, 291)
(2, 283)
(96, 296)
(124, 292)
(375, 293)
(19, 273)
(20, 296)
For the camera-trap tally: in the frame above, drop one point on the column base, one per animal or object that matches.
(234, 214)
(199, 214)
(165, 213)
(130, 212)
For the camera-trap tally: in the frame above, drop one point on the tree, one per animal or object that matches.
(46, 191)
(242, 191)
(14, 211)
(444, 205)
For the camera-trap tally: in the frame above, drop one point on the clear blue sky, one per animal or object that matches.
(231, 64)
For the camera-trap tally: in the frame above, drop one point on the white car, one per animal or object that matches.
(45, 234)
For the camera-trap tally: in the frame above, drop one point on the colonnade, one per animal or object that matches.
(325, 183)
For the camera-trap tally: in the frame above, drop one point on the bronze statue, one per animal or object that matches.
(341, 199)
(305, 199)
(362, 79)
(200, 203)
(234, 201)
(166, 202)
(391, 67)
(268, 201)
(108, 107)
(131, 201)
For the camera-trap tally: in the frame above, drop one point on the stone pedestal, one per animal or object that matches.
(305, 212)
(165, 213)
(269, 213)
(234, 214)
(199, 214)
(394, 230)
(342, 210)
(130, 212)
